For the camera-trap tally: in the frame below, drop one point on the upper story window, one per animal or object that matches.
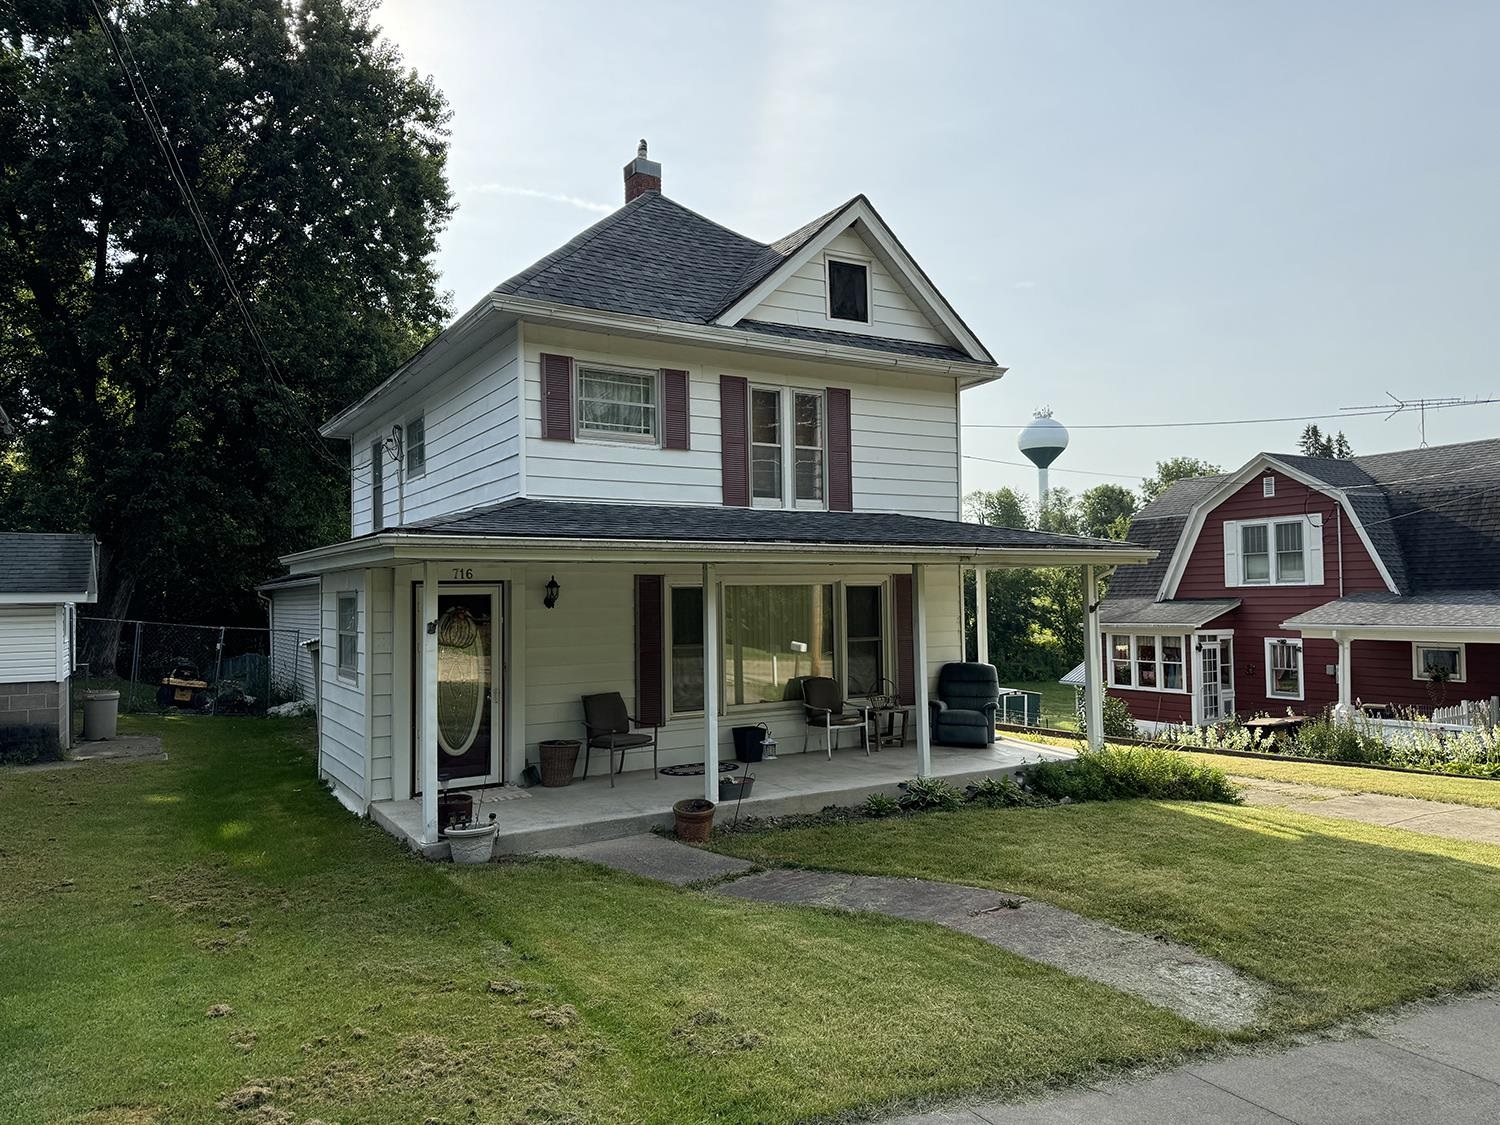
(848, 290)
(1273, 552)
(617, 404)
(416, 446)
(786, 441)
(377, 484)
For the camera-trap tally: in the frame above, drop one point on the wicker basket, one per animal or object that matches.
(883, 695)
(559, 758)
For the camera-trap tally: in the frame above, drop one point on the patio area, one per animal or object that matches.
(538, 818)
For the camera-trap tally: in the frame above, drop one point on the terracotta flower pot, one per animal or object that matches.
(695, 819)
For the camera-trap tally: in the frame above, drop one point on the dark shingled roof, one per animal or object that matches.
(1144, 580)
(654, 257)
(564, 519)
(45, 563)
(1475, 609)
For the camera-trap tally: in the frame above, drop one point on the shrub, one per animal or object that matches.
(881, 805)
(1334, 740)
(921, 794)
(1001, 793)
(1118, 721)
(1141, 771)
(25, 743)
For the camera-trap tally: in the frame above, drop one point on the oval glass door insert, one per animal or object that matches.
(462, 680)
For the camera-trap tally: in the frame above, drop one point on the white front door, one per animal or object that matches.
(1215, 679)
(469, 727)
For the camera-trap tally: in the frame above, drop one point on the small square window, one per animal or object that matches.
(848, 291)
(1438, 663)
(416, 446)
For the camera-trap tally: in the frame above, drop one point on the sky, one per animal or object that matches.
(1149, 212)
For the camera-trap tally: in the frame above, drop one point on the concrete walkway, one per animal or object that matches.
(656, 857)
(1434, 818)
(1437, 1066)
(122, 748)
(1161, 972)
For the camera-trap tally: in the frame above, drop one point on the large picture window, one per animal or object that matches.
(617, 405)
(1148, 661)
(773, 636)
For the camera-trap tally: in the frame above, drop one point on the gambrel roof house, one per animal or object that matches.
(666, 461)
(1305, 581)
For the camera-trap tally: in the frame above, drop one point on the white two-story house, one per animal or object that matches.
(666, 460)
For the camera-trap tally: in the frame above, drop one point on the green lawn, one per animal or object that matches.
(1341, 917)
(358, 980)
(1427, 787)
(1059, 709)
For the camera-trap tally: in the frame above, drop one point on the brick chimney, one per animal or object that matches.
(641, 175)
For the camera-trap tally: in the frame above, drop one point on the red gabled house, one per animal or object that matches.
(1300, 582)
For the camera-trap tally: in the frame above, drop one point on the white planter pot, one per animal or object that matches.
(472, 845)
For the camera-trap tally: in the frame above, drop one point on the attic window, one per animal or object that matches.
(848, 291)
(1268, 486)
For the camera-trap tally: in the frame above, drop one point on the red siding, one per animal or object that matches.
(1382, 674)
(1156, 706)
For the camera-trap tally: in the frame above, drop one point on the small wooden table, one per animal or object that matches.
(1275, 725)
(890, 714)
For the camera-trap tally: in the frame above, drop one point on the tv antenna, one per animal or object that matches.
(1421, 406)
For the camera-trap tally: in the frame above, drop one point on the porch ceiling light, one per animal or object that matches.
(553, 589)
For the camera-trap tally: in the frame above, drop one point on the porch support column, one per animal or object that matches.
(919, 666)
(1093, 662)
(710, 683)
(1345, 708)
(982, 613)
(427, 752)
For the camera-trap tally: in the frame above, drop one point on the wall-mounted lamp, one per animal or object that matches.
(553, 589)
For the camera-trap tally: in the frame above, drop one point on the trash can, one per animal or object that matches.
(101, 715)
(749, 743)
(559, 757)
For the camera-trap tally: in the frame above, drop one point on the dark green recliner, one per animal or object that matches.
(963, 714)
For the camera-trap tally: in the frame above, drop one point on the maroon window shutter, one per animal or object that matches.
(674, 409)
(650, 698)
(840, 452)
(557, 397)
(734, 438)
(906, 649)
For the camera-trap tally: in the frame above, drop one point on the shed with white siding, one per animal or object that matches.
(43, 579)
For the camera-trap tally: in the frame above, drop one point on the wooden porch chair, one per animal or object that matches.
(610, 727)
(825, 709)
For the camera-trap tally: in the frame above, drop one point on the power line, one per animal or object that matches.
(1054, 468)
(141, 94)
(1356, 412)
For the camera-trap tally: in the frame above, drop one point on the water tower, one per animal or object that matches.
(1043, 442)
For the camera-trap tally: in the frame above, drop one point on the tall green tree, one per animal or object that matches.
(1172, 470)
(143, 410)
(1104, 511)
(1315, 443)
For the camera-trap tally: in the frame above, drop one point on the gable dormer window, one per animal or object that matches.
(848, 290)
(617, 404)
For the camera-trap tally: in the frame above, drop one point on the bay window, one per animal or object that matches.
(1148, 661)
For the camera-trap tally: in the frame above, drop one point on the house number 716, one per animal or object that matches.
(463, 572)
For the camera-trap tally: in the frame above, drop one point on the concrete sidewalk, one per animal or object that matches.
(1432, 818)
(1436, 1065)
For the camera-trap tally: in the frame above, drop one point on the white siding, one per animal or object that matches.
(803, 299)
(382, 681)
(33, 644)
(905, 431)
(296, 617)
(472, 439)
(342, 723)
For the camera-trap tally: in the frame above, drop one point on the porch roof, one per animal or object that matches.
(608, 532)
(1148, 611)
(1457, 612)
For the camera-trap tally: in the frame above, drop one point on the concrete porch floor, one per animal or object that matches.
(536, 818)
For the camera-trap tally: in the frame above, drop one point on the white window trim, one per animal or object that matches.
(787, 409)
(406, 468)
(849, 260)
(1160, 664)
(1296, 643)
(1273, 558)
(582, 435)
(1417, 671)
(350, 674)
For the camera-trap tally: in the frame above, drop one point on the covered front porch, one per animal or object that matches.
(538, 818)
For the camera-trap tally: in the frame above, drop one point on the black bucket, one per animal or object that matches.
(732, 789)
(749, 743)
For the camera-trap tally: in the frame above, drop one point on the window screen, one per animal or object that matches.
(848, 291)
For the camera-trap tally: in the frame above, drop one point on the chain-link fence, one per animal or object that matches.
(225, 670)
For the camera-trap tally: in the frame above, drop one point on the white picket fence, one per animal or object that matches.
(1470, 714)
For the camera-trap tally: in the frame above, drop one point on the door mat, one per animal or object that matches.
(695, 769)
